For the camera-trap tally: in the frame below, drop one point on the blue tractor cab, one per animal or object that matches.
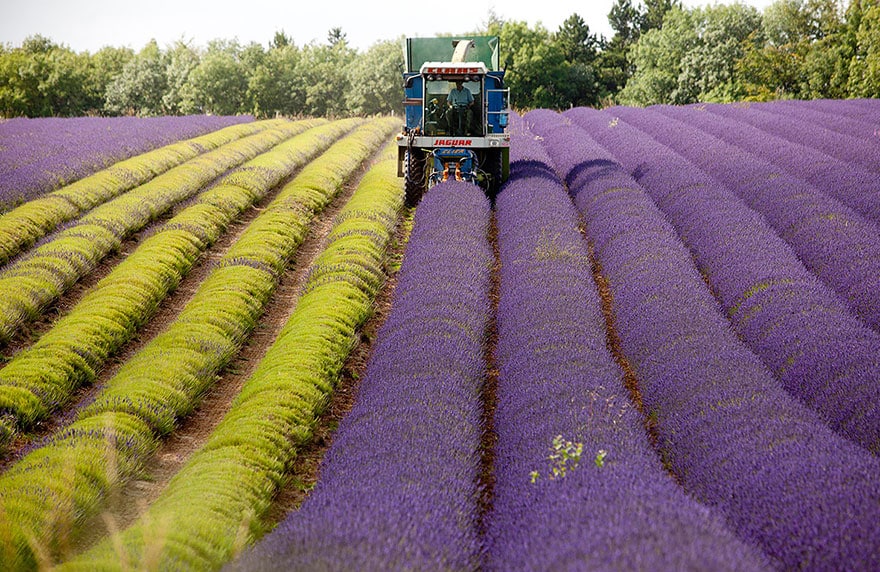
(457, 111)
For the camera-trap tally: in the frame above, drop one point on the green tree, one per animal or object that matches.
(335, 36)
(280, 40)
(180, 60)
(653, 13)
(708, 71)
(614, 65)
(375, 80)
(804, 54)
(531, 62)
(864, 69)
(276, 86)
(103, 67)
(325, 79)
(692, 57)
(141, 85)
(218, 84)
(41, 78)
(580, 50)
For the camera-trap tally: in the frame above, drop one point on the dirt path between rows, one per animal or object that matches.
(132, 500)
(489, 438)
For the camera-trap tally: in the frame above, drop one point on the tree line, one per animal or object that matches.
(660, 52)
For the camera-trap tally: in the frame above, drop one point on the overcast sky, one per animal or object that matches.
(88, 25)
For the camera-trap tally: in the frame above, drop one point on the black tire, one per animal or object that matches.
(493, 166)
(415, 181)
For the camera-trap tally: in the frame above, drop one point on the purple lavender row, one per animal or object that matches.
(824, 117)
(399, 486)
(832, 240)
(735, 439)
(867, 110)
(39, 155)
(844, 148)
(615, 507)
(856, 187)
(785, 314)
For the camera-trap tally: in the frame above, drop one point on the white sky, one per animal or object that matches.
(88, 25)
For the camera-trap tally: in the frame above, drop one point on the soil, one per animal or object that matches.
(489, 394)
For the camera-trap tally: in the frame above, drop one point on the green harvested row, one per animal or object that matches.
(213, 506)
(44, 376)
(33, 282)
(22, 226)
(167, 378)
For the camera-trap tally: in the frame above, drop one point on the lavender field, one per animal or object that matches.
(41, 155)
(658, 348)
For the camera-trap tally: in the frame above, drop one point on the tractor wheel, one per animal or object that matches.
(414, 165)
(493, 166)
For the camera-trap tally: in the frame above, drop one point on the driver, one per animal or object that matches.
(460, 96)
(460, 100)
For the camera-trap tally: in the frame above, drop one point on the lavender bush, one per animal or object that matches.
(39, 155)
(603, 501)
(834, 242)
(843, 147)
(398, 487)
(167, 378)
(784, 313)
(865, 110)
(735, 439)
(828, 118)
(855, 187)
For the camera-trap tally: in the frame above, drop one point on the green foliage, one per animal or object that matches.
(44, 79)
(217, 84)
(216, 499)
(565, 456)
(34, 219)
(660, 52)
(80, 466)
(374, 81)
(275, 86)
(30, 284)
(864, 71)
(141, 85)
(692, 57)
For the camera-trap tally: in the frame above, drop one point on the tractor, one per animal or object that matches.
(457, 112)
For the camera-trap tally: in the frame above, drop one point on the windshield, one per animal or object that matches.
(453, 111)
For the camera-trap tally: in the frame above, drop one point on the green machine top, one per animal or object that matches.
(417, 51)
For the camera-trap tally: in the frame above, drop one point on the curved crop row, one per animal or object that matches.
(866, 110)
(829, 118)
(834, 242)
(49, 269)
(843, 147)
(226, 487)
(27, 223)
(577, 483)
(854, 186)
(735, 439)
(42, 377)
(778, 307)
(48, 493)
(39, 155)
(398, 486)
